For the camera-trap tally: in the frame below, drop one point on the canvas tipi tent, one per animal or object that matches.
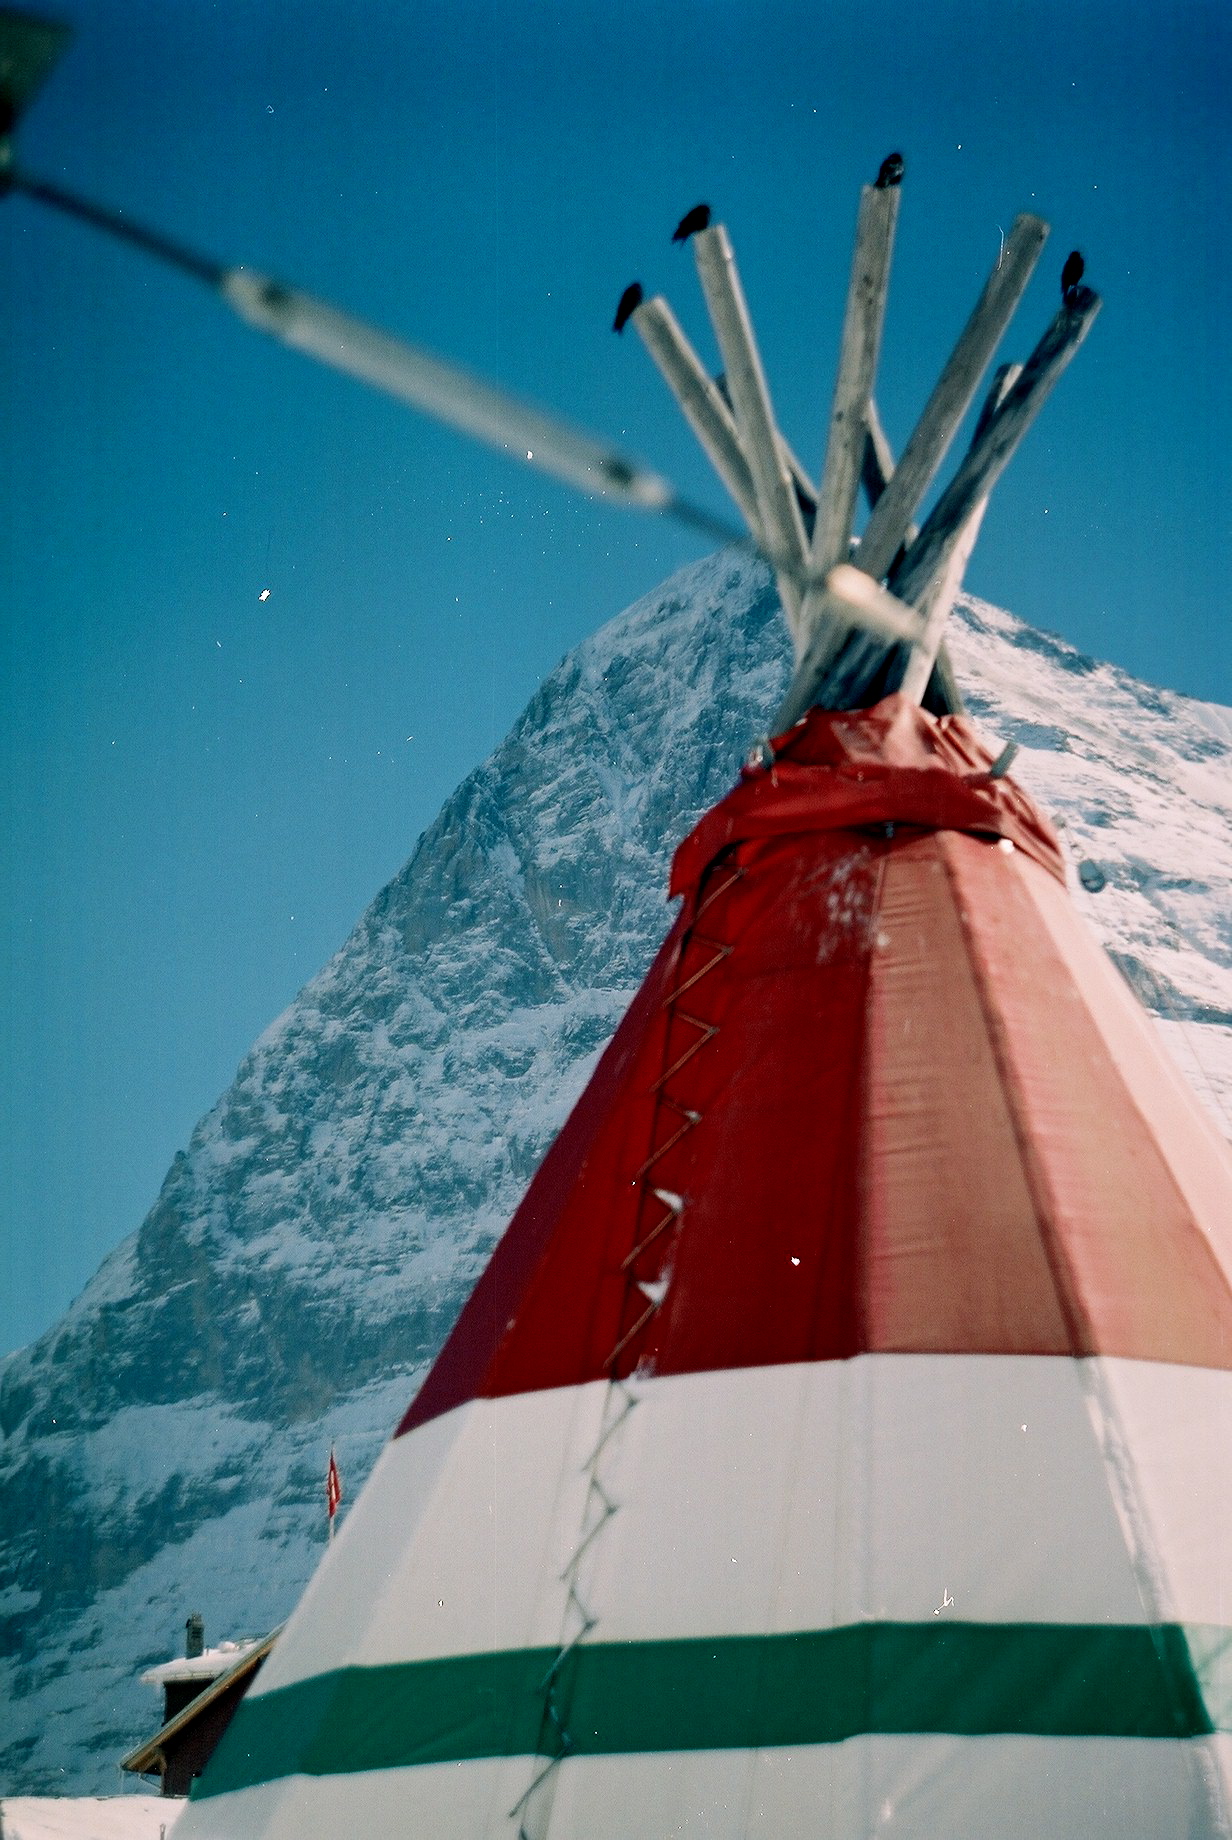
(839, 1440)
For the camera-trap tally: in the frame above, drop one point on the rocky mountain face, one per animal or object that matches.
(164, 1446)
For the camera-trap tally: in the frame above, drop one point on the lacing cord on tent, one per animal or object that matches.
(706, 1030)
(721, 951)
(671, 1207)
(554, 1729)
(1187, 1029)
(691, 1120)
(532, 1815)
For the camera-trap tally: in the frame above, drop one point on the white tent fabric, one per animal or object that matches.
(840, 1439)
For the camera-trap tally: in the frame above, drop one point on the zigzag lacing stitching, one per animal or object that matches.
(534, 1810)
(720, 950)
(674, 1208)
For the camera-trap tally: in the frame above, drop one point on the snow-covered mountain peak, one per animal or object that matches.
(164, 1445)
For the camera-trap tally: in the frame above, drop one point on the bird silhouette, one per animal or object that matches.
(1072, 274)
(696, 219)
(630, 301)
(891, 171)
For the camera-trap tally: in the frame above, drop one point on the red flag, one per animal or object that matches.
(333, 1487)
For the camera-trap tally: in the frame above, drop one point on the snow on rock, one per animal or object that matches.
(1140, 782)
(164, 1445)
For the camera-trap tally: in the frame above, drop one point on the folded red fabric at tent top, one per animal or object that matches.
(892, 764)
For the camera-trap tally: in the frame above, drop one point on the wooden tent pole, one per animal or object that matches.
(952, 395)
(836, 633)
(989, 456)
(877, 464)
(937, 602)
(878, 461)
(704, 405)
(857, 367)
(778, 509)
(871, 607)
(876, 472)
(805, 489)
(849, 602)
(443, 390)
(701, 402)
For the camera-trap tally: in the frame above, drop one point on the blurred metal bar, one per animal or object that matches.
(153, 242)
(446, 391)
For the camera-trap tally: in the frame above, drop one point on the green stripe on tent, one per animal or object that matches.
(729, 1693)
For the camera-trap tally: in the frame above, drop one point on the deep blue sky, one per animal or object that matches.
(201, 791)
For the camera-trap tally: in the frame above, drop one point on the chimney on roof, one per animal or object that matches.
(194, 1635)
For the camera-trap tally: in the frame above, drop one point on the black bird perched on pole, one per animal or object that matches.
(1072, 274)
(891, 171)
(694, 220)
(630, 301)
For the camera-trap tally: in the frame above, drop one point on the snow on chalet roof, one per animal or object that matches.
(242, 1659)
(206, 1666)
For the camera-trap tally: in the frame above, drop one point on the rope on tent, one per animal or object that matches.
(1186, 1029)
(721, 951)
(632, 1334)
(670, 1210)
(629, 1401)
(610, 1507)
(524, 1833)
(706, 1032)
(554, 1717)
(674, 1208)
(690, 1120)
(553, 1727)
(532, 1810)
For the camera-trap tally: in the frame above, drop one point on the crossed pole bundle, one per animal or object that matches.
(865, 616)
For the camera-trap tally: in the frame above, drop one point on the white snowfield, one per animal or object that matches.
(88, 1817)
(311, 1247)
(1139, 781)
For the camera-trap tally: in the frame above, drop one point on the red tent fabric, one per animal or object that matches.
(651, 1552)
(879, 1092)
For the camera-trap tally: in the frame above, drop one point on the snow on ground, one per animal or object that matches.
(88, 1817)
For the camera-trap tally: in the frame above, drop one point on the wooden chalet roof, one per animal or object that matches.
(146, 1758)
